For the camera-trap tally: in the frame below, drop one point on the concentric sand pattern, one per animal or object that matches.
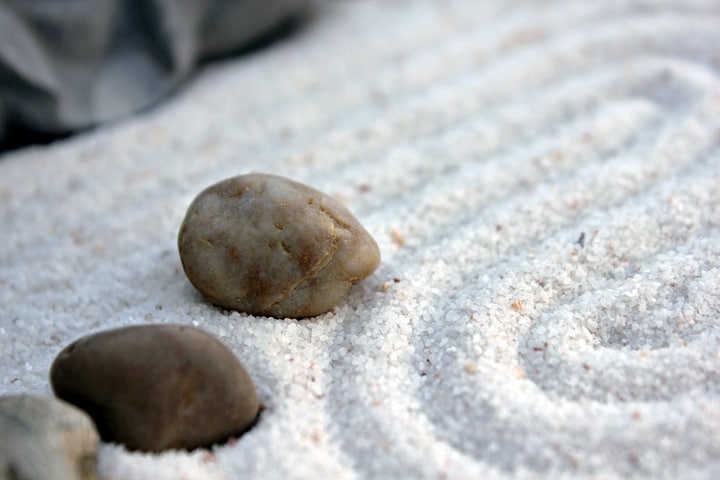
(542, 179)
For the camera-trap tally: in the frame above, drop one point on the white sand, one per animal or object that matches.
(489, 136)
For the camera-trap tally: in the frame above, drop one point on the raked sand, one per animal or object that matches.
(543, 180)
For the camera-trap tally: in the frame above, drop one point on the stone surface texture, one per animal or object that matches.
(157, 387)
(266, 245)
(45, 439)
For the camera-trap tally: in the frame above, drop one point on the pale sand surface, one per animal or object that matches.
(477, 142)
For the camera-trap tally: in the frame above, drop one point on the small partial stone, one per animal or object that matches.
(157, 387)
(46, 439)
(266, 245)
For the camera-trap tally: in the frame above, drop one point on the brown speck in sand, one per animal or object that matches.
(397, 237)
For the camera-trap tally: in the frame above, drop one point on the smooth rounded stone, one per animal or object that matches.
(44, 438)
(157, 387)
(266, 245)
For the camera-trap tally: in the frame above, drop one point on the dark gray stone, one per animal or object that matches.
(157, 387)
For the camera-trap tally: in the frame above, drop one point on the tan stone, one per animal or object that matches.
(266, 245)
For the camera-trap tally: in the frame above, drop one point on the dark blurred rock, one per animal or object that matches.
(70, 65)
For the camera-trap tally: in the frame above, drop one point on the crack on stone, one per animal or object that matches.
(315, 271)
(334, 218)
